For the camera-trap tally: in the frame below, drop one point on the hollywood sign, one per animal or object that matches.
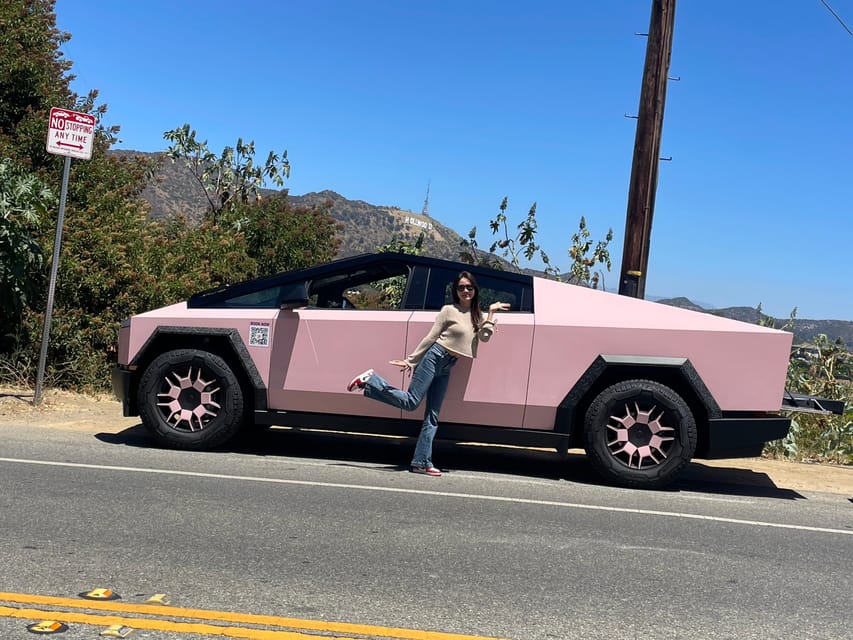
(417, 222)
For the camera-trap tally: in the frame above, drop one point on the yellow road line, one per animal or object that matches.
(223, 616)
(242, 633)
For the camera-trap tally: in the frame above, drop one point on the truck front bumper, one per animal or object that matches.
(121, 389)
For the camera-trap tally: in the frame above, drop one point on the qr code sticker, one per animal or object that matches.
(259, 334)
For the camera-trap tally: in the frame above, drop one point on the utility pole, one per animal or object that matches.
(644, 169)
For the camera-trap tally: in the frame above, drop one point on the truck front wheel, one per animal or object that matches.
(190, 399)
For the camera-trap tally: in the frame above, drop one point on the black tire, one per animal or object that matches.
(639, 433)
(191, 399)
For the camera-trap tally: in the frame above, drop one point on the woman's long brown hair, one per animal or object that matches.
(476, 314)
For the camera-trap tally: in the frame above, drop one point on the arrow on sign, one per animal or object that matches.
(65, 144)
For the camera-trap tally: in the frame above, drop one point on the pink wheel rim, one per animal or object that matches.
(188, 402)
(639, 438)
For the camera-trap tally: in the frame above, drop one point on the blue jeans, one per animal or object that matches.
(429, 380)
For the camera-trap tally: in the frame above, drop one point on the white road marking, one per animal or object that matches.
(443, 494)
(694, 496)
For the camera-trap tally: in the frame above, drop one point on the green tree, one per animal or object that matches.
(281, 237)
(191, 258)
(33, 78)
(107, 235)
(24, 201)
(115, 261)
(403, 246)
(522, 243)
(583, 262)
(511, 247)
(106, 272)
(278, 236)
(231, 178)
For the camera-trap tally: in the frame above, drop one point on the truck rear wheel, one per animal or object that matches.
(639, 433)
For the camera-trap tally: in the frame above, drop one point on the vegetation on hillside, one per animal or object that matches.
(822, 368)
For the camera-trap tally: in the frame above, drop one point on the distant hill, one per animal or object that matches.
(172, 191)
(683, 303)
(368, 226)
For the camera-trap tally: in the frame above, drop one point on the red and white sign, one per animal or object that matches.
(70, 134)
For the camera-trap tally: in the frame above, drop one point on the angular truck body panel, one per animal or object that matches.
(743, 365)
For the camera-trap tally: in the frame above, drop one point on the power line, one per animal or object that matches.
(837, 17)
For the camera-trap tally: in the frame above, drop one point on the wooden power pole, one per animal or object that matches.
(644, 170)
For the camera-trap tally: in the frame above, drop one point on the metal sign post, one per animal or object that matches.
(54, 267)
(69, 134)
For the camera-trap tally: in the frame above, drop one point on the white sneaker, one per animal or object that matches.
(360, 380)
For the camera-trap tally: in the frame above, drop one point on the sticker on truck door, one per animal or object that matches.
(259, 334)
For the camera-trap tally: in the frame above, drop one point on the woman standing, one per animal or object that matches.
(457, 331)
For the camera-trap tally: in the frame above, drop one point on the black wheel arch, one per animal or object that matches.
(676, 373)
(226, 343)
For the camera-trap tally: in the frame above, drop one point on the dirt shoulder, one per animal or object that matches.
(62, 409)
(102, 414)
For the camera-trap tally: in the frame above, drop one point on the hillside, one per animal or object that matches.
(368, 226)
(172, 191)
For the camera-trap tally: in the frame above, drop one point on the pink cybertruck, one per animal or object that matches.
(642, 387)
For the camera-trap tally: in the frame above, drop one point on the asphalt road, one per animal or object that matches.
(326, 528)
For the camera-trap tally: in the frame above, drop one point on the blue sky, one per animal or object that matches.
(376, 98)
